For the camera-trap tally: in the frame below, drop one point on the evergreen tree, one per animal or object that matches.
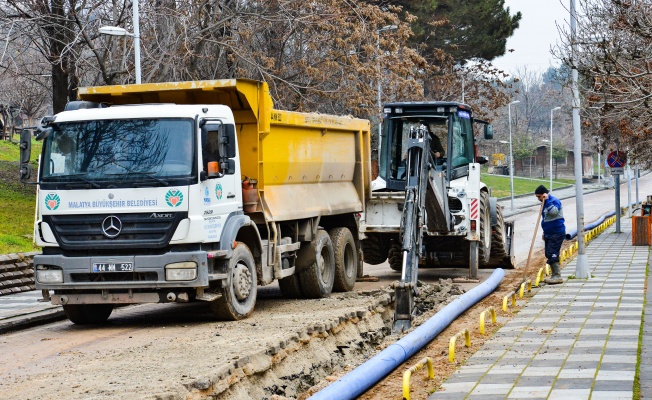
(464, 30)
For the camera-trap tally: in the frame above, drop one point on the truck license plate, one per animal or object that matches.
(113, 267)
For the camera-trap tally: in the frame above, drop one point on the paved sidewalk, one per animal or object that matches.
(577, 340)
(20, 310)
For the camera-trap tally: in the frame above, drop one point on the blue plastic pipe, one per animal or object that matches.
(570, 235)
(356, 382)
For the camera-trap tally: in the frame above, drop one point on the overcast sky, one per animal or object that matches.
(535, 36)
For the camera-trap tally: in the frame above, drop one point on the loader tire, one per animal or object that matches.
(484, 246)
(395, 257)
(498, 237)
(346, 259)
(374, 250)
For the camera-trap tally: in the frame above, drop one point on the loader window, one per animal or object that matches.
(399, 132)
(462, 140)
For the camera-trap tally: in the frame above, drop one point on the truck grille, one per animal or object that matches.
(138, 230)
(115, 277)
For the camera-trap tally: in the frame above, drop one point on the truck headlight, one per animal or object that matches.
(181, 271)
(45, 274)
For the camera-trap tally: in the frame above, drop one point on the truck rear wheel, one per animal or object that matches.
(239, 297)
(88, 314)
(346, 259)
(374, 250)
(395, 257)
(317, 280)
(484, 247)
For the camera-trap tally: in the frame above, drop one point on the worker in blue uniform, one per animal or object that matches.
(554, 231)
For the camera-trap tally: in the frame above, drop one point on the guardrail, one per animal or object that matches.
(16, 273)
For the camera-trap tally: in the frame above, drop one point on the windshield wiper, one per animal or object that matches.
(81, 177)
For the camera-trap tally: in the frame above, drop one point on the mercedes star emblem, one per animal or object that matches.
(111, 226)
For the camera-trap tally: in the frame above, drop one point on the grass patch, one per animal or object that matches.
(10, 150)
(17, 200)
(500, 184)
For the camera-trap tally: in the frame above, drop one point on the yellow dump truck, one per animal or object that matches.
(184, 191)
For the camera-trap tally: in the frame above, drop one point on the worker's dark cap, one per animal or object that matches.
(541, 190)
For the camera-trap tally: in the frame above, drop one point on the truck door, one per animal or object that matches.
(221, 190)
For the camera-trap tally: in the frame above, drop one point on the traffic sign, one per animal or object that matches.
(617, 159)
(617, 171)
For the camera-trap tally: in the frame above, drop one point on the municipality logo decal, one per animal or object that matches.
(218, 191)
(52, 201)
(174, 197)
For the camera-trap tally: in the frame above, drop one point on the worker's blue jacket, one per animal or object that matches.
(552, 217)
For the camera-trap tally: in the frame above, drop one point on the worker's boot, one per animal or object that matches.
(556, 275)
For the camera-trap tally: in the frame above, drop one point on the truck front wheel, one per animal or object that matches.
(317, 280)
(346, 259)
(88, 314)
(239, 297)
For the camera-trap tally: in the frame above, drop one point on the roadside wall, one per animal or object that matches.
(16, 273)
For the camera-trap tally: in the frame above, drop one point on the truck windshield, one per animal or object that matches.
(129, 149)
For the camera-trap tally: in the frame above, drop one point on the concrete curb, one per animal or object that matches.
(24, 321)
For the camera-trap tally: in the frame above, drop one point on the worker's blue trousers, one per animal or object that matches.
(553, 247)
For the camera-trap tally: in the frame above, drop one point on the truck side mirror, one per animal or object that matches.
(227, 141)
(228, 166)
(25, 150)
(488, 132)
(482, 160)
(25, 145)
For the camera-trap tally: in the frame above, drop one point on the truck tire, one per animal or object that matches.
(395, 257)
(374, 250)
(346, 259)
(88, 314)
(484, 246)
(291, 287)
(317, 280)
(239, 297)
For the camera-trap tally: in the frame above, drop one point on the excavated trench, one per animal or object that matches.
(308, 361)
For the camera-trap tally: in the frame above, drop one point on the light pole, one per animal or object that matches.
(379, 89)
(116, 31)
(581, 266)
(511, 155)
(556, 108)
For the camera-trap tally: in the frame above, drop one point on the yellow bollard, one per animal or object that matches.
(513, 296)
(482, 314)
(408, 374)
(548, 270)
(539, 277)
(521, 289)
(451, 344)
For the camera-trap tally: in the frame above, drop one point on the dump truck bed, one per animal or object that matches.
(304, 164)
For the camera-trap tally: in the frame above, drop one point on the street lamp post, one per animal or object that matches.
(511, 155)
(556, 108)
(379, 88)
(581, 266)
(116, 31)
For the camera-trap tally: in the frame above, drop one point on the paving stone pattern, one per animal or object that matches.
(577, 340)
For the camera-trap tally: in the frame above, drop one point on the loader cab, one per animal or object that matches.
(451, 128)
